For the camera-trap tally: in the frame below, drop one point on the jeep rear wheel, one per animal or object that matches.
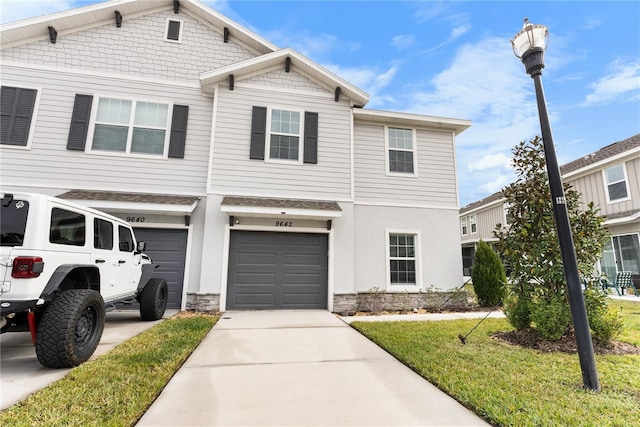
(153, 299)
(70, 328)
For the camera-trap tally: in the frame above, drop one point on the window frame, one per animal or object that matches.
(403, 287)
(464, 230)
(623, 165)
(34, 114)
(414, 150)
(180, 31)
(473, 224)
(267, 145)
(69, 241)
(130, 126)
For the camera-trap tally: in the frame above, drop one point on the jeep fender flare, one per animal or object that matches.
(147, 271)
(90, 272)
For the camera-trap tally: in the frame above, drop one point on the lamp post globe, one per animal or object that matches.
(529, 44)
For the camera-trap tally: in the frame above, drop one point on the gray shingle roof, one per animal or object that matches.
(113, 196)
(281, 203)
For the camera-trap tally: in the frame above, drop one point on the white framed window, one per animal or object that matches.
(284, 130)
(403, 259)
(131, 127)
(173, 30)
(463, 226)
(401, 151)
(615, 179)
(472, 224)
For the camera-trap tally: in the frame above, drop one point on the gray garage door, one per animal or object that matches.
(168, 248)
(277, 270)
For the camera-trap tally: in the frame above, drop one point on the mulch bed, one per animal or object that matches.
(567, 344)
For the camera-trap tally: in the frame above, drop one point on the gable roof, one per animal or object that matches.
(605, 153)
(32, 29)
(305, 65)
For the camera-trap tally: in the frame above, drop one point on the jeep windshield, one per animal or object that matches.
(13, 221)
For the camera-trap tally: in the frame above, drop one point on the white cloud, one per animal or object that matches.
(369, 79)
(490, 161)
(622, 83)
(497, 184)
(403, 41)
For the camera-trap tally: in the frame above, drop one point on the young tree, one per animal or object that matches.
(529, 245)
(488, 276)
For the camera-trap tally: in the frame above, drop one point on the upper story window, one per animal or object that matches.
(403, 267)
(401, 151)
(616, 182)
(18, 106)
(284, 135)
(463, 226)
(173, 31)
(472, 224)
(131, 127)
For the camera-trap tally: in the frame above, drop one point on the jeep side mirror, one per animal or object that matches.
(141, 246)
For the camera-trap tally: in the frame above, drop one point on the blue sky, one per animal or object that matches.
(454, 59)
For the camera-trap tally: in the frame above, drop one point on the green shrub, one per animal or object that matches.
(605, 322)
(518, 312)
(551, 316)
(488, 276)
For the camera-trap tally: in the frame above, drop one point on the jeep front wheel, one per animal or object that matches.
(70, 328)
(153, 299)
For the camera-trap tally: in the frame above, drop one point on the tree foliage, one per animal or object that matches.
(488, 276)
(529, 245)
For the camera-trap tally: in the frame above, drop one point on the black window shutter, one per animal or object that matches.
(173, 32)
(311, 137)
(178, 137)
(258, 132)
(79, 122)
(17, 112)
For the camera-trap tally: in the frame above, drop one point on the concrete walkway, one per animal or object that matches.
(298, 368)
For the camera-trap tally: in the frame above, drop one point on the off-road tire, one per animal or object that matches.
(70, 328)
(153, 299)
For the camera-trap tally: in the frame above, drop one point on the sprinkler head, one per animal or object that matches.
(462, 339)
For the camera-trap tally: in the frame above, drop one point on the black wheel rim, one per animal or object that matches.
(86, 327)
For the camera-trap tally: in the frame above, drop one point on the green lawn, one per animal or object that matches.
(511, 386)
(117, 388)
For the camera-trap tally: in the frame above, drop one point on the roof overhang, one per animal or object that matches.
(117, 202)
(254, 66)
(260, 207)
(415, 120)
(624, 219)
(69, 21)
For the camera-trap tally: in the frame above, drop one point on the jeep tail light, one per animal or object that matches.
(26, 267)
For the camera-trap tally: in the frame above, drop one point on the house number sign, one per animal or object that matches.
(136, 219)
(284, 223)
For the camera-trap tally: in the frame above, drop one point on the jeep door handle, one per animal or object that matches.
(100, 261)
(122, 261)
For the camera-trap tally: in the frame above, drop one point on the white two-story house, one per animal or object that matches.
(256, 176)
(609, 177)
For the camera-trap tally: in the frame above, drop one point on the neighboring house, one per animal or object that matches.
(610, 178)
(255, 175)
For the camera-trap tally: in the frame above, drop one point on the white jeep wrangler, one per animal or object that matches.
(62, 266)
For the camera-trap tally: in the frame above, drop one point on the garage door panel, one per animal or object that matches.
(168, 249)
(296, 262)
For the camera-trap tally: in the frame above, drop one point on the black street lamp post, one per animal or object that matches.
(529, 45)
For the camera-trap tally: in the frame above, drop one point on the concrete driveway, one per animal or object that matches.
(23, 375)
(294, 368)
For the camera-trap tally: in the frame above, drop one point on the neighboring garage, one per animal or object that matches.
(168, 249)
(269, 270)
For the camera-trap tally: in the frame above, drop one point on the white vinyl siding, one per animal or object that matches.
(436, 185)
(233, 172)
(41, 165)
